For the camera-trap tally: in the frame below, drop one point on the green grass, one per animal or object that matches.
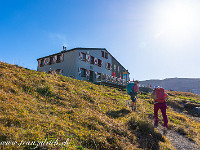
(36, 106)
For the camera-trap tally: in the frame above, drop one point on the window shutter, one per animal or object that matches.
(44, 61)
(101, 62)
(47, 60)
(39, 63)
(95, 61)
(79, 71)
(118, 68)
(97, 75)
(87, 58)
(80, 56)
(54, 59)
(62, 57)
(87, 72)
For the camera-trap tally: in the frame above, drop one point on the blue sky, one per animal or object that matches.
(153, 39)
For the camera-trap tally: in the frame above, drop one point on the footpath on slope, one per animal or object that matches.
(179, 142)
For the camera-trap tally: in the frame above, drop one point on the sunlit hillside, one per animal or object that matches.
(66, 113)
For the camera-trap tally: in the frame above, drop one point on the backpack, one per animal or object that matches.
(159, 95)
(129, 88)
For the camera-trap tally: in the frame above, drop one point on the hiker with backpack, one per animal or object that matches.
(160, 97)
(134, 92)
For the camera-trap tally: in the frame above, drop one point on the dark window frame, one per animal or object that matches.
(83, 56)
(115, 67)
(42, 63)
(99, 62)
(92, 60)
(51, 61)
(106, 55)
(100, 75)
(58, 58)
(103, 54)
(84, 74)
(109, 66)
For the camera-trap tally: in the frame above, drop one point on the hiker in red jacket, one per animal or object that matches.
(159, 96)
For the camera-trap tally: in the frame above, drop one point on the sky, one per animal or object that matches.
(153, 39)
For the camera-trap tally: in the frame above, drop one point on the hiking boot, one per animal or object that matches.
(155, 125)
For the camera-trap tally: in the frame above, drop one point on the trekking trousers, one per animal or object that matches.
(162, 107)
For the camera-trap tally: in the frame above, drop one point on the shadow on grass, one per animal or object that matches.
(117, 114)
(147, 137)
(180, 106)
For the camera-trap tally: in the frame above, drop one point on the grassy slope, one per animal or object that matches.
(36, 106)
(182, 117)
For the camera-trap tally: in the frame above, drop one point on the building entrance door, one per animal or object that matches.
(91, 78)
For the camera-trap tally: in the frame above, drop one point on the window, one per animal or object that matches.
(98, 77)
(95, 61)
(51, 61)
(103, 77)
(83, 56)
(118, 68)
(42, 63)
(102, 54)
(92, 60)
(115, 67)
(58, 58)
(39, 63)
(108, 66)
(88, 58)
(106, 55)
(99, 62)
(83, 72)
(54, 59)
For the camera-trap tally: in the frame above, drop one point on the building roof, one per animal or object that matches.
(81, 48)
(78, 48)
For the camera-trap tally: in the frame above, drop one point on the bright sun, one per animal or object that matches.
(178, 18)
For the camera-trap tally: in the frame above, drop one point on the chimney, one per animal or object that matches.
(64, 48)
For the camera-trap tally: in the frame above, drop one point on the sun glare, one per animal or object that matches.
(178, 18)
